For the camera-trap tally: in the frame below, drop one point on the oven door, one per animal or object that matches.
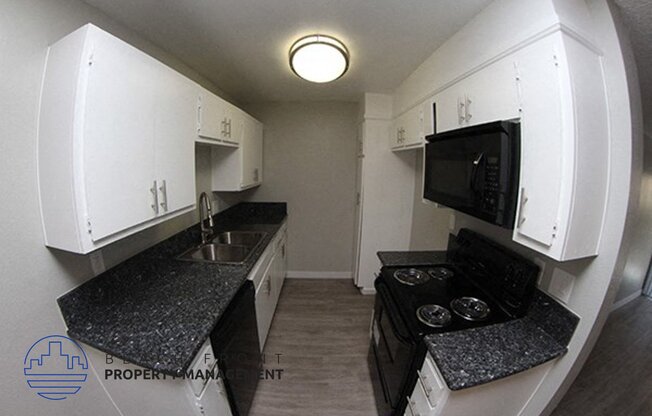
(391, 354)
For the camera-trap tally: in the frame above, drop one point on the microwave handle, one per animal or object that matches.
(474, 170)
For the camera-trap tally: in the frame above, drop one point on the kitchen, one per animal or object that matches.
(337, 175)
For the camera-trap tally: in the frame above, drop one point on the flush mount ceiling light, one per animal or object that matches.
(319, 58)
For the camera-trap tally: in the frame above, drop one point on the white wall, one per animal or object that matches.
(32, 275)
(429, 223)
(309, 161)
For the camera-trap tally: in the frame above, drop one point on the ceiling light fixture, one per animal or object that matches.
(319, 58)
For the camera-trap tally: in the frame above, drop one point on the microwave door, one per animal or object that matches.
(454, 173)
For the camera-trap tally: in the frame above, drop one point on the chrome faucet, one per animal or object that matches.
(205, 210)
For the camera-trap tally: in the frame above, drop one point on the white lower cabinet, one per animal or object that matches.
(430, 392)
(268, 276)
(154, 396)
(504, 397)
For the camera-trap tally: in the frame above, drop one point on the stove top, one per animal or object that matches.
(481, 284)
(439, 298)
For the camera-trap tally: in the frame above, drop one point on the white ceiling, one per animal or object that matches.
(242, 45)
(637, 15)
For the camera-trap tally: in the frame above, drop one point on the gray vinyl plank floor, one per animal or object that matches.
(319, 339)
(617, 377)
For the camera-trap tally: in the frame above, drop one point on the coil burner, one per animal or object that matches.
(441, 273)
(434, 315)
(471, 309)
(411, 277)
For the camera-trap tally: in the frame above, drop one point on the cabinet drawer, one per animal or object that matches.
(418, 403)
(433, 386)
(204, 361)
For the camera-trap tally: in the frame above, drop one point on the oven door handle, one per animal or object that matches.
(387, 302)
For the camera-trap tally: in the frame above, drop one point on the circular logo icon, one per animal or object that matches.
(55, 367)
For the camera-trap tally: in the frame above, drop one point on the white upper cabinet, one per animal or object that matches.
(490, 94)
(218, 120)
(115, 148)
(407, 130)
(175, 159)
(564, 149)
(236, 169)
(554, 87)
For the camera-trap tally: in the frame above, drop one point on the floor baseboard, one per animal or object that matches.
(625, 301)
(367, 291)
(319, 275)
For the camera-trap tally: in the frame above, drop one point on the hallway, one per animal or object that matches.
(617, 377)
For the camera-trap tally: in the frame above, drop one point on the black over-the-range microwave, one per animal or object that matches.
(475, 170)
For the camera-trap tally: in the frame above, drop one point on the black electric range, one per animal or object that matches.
(481, 283)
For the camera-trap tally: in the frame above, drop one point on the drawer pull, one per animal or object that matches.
(412, 405)
(424, 383)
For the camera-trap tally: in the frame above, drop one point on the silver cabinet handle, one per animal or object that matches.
(229, 131)
(164, 195)
(521, 215)
(199, 116)
(155, 196)
(256, 175)
(461, 110)
(426, 386)
(467, 109)
(269, 285)
(412, 405)
(223, 127)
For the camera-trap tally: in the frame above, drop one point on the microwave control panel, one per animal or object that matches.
(491, 201)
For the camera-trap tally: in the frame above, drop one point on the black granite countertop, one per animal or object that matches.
(156, 311)
(476, 356)
(411, 258)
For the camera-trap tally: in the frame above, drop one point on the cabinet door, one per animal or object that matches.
(252, 153)
(211, 116)
(174, 142)
(119, 137)
(396, 134)
(449, 111)
(234, 119)
(491, 94)
(265, 305)
(413, 121)
(541, 144)
(278, 272)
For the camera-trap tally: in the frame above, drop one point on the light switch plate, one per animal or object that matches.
(561, 285)
(97, 262)
(451, 222)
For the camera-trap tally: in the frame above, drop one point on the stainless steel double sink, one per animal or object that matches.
(230, 247)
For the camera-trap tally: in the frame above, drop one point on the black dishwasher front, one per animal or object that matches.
(236, 346)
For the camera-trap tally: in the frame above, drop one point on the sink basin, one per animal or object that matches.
(230, 247)
(240, 238)
(218, 253)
